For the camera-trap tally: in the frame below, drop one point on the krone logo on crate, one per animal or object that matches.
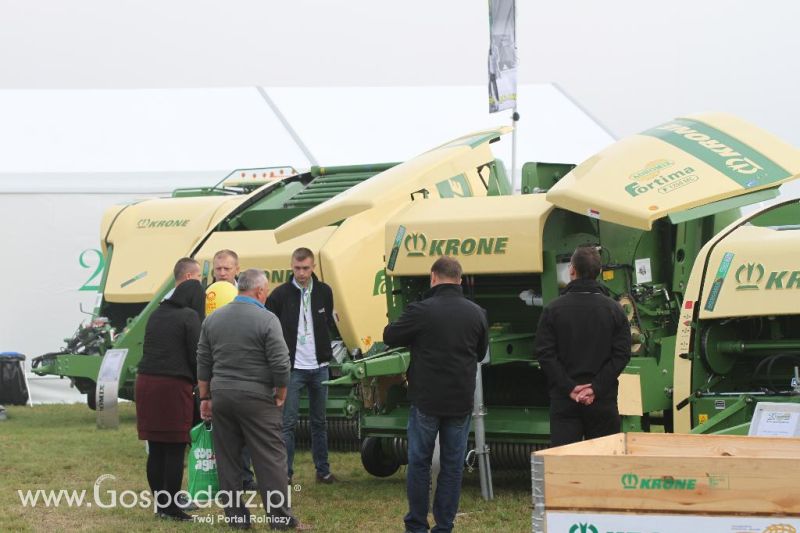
(631, 481)
(583, 528)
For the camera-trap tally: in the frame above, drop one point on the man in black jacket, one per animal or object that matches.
(304, 306)
(448, 335)
(583, 343)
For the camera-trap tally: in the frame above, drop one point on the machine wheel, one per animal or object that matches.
(714, 361)
(91, 399)
(374, 460)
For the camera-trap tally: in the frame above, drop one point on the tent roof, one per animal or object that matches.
(155, 140)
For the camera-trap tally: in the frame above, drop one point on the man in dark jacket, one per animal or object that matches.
(304, 305)
(583, 344)
(448, 335)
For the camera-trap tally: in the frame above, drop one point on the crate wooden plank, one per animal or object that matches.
(711, 446)
(610, 445)
(675, 473)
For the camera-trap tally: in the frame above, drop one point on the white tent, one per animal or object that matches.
(68, 155)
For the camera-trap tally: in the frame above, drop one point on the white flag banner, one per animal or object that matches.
(502, 55)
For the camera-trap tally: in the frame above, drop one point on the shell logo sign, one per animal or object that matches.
(219, 294)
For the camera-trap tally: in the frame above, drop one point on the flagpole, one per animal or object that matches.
(515, 185)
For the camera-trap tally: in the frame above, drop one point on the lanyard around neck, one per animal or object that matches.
(305, 297)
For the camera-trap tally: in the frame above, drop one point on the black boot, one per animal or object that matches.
(173, 513)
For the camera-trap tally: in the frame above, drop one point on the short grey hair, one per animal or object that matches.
(251, 279)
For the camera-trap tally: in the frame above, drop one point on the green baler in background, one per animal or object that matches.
(649, 203)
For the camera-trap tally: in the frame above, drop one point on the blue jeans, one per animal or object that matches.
(317, 397)
(453, 433)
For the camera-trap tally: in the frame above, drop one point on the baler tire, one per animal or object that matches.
(91, 399)
(374, 461)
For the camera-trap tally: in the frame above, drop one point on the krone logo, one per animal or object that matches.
(748, 276)
(583, 528)
(144, 223)
(415, 244)
(629, 481)
(632, 481)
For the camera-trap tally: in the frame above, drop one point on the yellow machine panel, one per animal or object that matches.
(509, 228)
(448, 171)
(756, 272)
(258, 249)
(349, 262)
(109, 216)
(744, 271)
(679, 165)
(155, 234)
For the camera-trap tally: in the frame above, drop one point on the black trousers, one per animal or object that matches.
(572, 422)
(165, 471)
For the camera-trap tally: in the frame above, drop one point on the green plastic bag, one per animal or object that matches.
(203, 480)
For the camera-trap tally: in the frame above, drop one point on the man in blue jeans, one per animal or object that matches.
(304, 306)
(448, 335)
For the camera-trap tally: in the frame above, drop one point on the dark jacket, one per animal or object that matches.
(172, 332)
(583, 337)
(285, 303)
(448, 335)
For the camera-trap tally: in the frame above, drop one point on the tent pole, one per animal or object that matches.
(292, 133)
(515, 185)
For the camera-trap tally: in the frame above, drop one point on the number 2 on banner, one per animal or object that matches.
(85, 260)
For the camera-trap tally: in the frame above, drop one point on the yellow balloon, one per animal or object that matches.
(219, 294)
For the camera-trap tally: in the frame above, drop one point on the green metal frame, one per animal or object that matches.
(275, 205)
(672, 245)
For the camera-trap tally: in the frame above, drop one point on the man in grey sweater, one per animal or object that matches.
(243, 363)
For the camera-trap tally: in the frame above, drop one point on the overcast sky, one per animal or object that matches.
(630, 63)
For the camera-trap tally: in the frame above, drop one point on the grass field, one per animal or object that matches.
(57, 447)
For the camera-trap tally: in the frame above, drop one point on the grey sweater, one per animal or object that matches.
(242, 348)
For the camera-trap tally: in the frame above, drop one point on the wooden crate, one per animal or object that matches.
(668, 473)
